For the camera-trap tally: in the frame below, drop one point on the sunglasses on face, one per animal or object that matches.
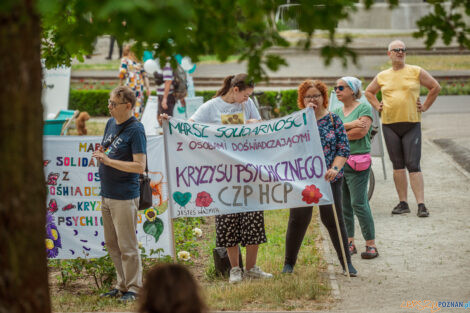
(403, 50)
(340, 88)
(312, 97)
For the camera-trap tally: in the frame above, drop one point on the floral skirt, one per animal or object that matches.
(245, 228)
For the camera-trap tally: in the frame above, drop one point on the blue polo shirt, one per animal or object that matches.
(116, 184)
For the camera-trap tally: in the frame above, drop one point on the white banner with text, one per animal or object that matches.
(223, 169)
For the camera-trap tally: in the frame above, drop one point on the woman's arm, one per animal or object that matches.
(355, 124)
(358, 133)
(336, 166)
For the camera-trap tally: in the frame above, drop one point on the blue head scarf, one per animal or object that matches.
(353, 83)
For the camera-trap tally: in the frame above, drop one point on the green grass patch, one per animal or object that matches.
(306, 289)
(436, 62)
(106, 65)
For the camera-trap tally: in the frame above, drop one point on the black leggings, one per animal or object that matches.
(403, 141)
(299, 218)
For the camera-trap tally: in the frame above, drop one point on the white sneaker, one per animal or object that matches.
(235, 275)
(256, 272)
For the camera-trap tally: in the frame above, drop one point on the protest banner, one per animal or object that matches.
(222, 169)
(74, 223)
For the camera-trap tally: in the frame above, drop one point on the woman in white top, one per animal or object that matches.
(232, 105)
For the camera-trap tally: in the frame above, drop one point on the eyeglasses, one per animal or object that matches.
(403, 50)
(340, 88)
(114, 104)
(312, 97)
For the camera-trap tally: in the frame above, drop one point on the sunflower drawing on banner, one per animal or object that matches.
(53, 242)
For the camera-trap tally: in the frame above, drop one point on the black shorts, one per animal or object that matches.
(403, 141)
(245, 228)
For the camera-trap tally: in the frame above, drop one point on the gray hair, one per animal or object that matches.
(124, 94)
(395, 41)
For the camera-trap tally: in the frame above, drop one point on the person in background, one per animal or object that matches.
(166, 98)
(133, 75)
(232, 105)
(122, 157)
(111, 48)
(357, 119)
(313, 94)
(170, 288)
(401, 121)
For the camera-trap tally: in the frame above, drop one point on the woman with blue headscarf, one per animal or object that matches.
(357, 119)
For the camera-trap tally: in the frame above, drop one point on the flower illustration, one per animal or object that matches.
(150, 214)
(184, 255)
(197, 232)
(203, 199)
(311, 194)
(53, 241)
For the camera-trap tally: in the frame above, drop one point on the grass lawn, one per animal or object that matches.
(436, 62)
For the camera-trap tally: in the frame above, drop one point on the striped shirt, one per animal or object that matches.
(167, 75)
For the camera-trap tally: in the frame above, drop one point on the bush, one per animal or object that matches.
(283, 102)
(95, 102)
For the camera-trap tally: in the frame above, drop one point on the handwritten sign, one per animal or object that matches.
(74, 223)
(221, 169)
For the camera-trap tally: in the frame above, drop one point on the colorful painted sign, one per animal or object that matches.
(221, 169)
(74, 223)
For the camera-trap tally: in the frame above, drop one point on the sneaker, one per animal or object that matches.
(288, 269)
(352, 271)
(128, 296)
(256, 272)
(235, 275)
(352, 248)
(113, 293)
(370, 253)
(422, 210)
(401, 208)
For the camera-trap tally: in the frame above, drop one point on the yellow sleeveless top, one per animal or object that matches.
(400, 90)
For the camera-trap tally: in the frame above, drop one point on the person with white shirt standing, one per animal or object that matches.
(232, 105)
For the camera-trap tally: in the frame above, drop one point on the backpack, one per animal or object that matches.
(180, 83)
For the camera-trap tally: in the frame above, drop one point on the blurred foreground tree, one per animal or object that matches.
(187, 27)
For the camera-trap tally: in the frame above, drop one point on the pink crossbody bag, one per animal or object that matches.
(359, 162)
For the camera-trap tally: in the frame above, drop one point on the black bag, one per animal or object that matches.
(145, 200)
(222, 262)
(158, 78)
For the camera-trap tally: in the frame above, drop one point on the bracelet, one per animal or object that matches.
(336, 168)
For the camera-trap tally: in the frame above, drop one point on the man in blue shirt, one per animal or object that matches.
(122, 158)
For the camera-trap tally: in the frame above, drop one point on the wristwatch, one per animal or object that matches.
(336, 168)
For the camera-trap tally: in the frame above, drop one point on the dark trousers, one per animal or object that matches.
(111, 48)
(299, 218)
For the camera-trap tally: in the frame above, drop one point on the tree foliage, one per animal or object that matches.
(222, 28)
(449, 20)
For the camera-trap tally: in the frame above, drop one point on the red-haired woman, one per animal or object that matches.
(314, 94)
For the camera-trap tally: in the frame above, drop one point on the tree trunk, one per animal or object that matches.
(23, 268)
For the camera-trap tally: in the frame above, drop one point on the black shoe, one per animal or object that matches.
(352, 271)
(370, 253)
(288, 269)
(401, 208)
(128, 296)
(113, 293)
(108, 58)
(422, 210)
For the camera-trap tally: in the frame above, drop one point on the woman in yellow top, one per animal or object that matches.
(401, 119)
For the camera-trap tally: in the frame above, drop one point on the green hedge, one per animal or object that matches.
(284, 102)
